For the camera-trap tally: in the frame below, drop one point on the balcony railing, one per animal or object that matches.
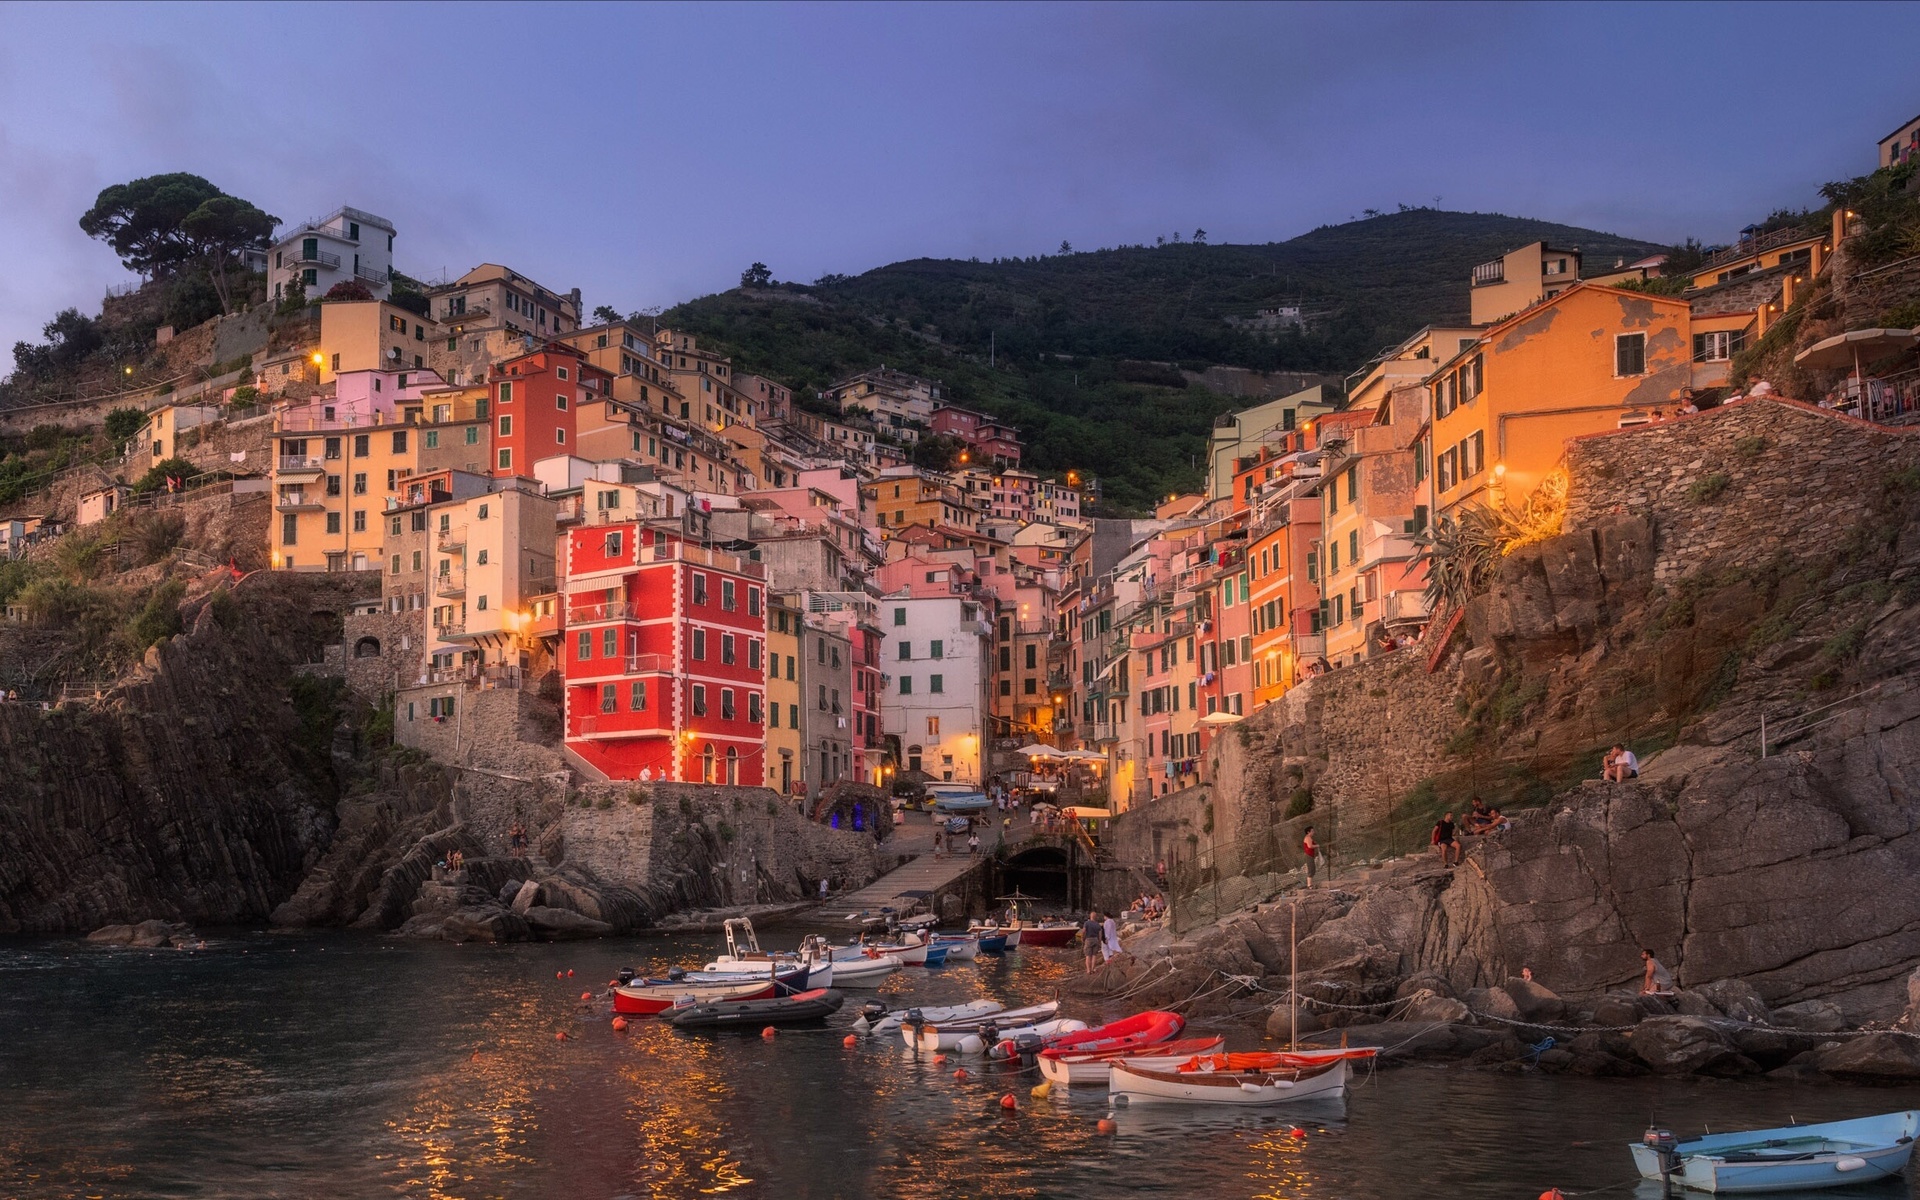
(452, 539)
(376, 278)
(1490, 273)
(302, 463)
(450, 583)
(582, 614)
(1408, 607)
(295, 257)
(1391, 547)
(619, 725)
(293, 500)
(720, 559)
(472, 312)
(1309, 646)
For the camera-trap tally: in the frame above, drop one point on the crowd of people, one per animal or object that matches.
(1449, 836)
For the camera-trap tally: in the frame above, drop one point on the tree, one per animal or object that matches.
(71, 337)
(123, 423)
(756, 275)
(607, 314)
(219, 230)
(348, 289)
(141, 220)
(1200, 236)
(1066, 247)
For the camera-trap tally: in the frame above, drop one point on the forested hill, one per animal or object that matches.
(1069, 334)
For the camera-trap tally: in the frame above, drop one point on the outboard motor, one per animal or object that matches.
(1665, 1149)
(626, 976)
(873, 1010)
(676, 974)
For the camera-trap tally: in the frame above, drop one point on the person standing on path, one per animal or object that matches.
(1110, 938)
(1092, 935)
(1445, 842)
(1311, 850)
(973, 845)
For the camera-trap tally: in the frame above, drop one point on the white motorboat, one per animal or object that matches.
(959, 948)
(887, 1022)
(744, 957)
(863, 972)
(972, 1035)
(1793, 1158)
(1091, 1069)
(1228, 1079)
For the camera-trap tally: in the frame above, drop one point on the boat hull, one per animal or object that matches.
(928, 1035)
(960, 949)
(1790, 1159)
(1092, 1070)
(1135, 1084)
(864, 972)
(935, 1016)
(815, 1005)
(653, 999)
(1048, 935)
(973, 1039)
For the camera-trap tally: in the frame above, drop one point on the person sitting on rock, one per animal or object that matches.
(1620, 765)
(1477, 818)
(1444, 841)
(1658, 981)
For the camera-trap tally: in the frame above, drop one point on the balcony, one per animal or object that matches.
(621, 725)
(1404, 608)
(300, 258)
(1392, 547)
(450, 583)
(473, 311)
(718, 559)
(586, 614)
(301, 464)
(452, 541)
(298, 500)
(1487, 274)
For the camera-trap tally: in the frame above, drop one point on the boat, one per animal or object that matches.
(864, 972)
(990, 941)
(1141, 1029)
(1026, 929)
(646, 998)
(999, 1041)
(972, 1035)
(1090, 1068)
(745, 957)
(988, 931)
(959, 947)
(813, 1005)
(881, 1020)
(1218, 1079)
(1793, 1158)
(956, 798)
(936, 955)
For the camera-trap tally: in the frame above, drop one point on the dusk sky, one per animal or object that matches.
(647, 154)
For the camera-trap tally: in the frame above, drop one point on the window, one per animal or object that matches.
(560, 373)
(506, 425)
(700, 645)
(933, 727)
(823, 698)
(1630, 354)
(727, 601)
(937, 684)
(753, 653)
(614, 544)
(609, 698)
(906, 685)
(899, 616)
(1719, 346)
(481, 559)
(726, 704)
(753, 601)
(1470, 379)
(699, 589)
(399, 441)
(1029, 685)
(396, 566)
(906, 651)
(1447, 474)
(753, 707)
(431, 439)
(1353, 547)
(584, 650)
(1006, 658)
(726, 649)
(1353, 485)
(1006, 687)
(506, 389)
(473, 435)
(699, 699)
(773, 715)
(1333, 558)
(359, 520)
(936, 649)
(333, 485)
(1476, 446)
(333, 522)
(1032, 655)
(609, 642)
(793, 716)
(506, 460)
(360, 483)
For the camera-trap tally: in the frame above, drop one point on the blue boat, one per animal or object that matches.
(1795, 1158)
(957, 798)
(993, 943)
(936, 955)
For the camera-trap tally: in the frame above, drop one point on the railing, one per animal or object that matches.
(451, 539)
(1309, 645)
(1390, 546)
(719, 559)
(617, 611)
(1753, 246)
(294, 500)
(302, 462)
(1407, 606)
(1490, 273)
(296, 257)
(450, 583)
(306, 423)
(472, 311)
(376, 278)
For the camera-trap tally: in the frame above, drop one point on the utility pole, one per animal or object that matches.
(992, 347)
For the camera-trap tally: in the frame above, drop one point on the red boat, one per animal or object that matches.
(1141, 1029)
(651, 999)
(1036, 931)
(1074, 1068)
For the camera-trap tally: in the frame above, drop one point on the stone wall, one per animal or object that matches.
(402, 649)
(1730, 486)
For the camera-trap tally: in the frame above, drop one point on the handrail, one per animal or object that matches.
(1773, 740)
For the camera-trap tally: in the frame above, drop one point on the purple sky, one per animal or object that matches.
(648, 154)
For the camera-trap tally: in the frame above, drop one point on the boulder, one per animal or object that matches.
(1799, 1073)
(1556, 1061)
(1498, 1005)
(1654, 1006)
(1614, 1011)
(1280, 1022)
(1736, 998)
(112, 935)
(1404, 1040)
(490, 924)
(1769, 1047)
(525, 896)
(1873, 1058)
(1428, 1006)
(1811, 1016)
(1913, 999)
(1680, 1045)
(152, 933)
(1690, 1003)
(560, 923)
(1424, 981)
(1534, 1002)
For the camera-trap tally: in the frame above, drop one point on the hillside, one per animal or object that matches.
(1058, 328)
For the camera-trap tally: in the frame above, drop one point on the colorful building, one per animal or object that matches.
(537, 399)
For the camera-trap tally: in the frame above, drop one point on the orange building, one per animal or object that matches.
(537, 399)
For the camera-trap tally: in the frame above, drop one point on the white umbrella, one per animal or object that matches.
(1036, 750)
(1844, 348)
(1221, 718)
(1087, 755)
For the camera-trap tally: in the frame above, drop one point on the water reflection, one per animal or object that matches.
(352, 1065)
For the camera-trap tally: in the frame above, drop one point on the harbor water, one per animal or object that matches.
(349, 1065)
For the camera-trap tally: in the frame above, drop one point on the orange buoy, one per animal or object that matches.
(569, 972)
(619, 1024)
(938, 1059)
(1105, 1125)
(767, 1032)
(1553, 1194)
(561, 1036)
(1296, 1132)
(850, 1041)
(960, 1073)
(1008, 1102)
(586, 995)
(557, 975)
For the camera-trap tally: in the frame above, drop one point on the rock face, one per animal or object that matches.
(1685, 1045)
(193, 792)
(1872, 1058)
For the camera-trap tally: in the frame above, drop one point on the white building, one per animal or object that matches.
(935, 656)
(346, 244)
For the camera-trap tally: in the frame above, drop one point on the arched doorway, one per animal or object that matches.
(367, 647)
(1041, 872)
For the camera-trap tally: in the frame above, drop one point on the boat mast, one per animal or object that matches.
(1293, 976)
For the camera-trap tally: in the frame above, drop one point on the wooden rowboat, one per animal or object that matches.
(1138, 1084)
(1090, 1068)
(1794, 1158)
(651, 999)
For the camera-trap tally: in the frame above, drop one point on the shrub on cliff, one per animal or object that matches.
(160, 618)
(156, 479)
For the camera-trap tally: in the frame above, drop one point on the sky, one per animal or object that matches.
(648, 154)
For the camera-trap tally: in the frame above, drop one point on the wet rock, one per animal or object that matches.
(525, 896)
(561, 924)
(1534, 1002)
(1616, 1010)
(1799, 1073)
(1280, 1022)
(493, 924)
(112, 935)
(1811, 1016)
(1769, 1047)
(1499, 1005)
(1428, 1006)
(1680, 1045)
(1736, 998)
(1913, 1000)
(1873, 1058)
(1555, 1061)
(1690, 1003)
(1427, 981)
(1654, 1006)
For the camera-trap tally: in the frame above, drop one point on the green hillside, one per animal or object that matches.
(1061, 329)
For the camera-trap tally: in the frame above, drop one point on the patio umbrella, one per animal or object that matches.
(1221, 718)
(1036, 750)
(1849, 348)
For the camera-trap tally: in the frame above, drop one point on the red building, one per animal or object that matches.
(537, 399)
(991, 440)
(662, 653)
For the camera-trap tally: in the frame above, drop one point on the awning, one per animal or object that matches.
(1221, 718)
(1087, 814)
(1036, 750)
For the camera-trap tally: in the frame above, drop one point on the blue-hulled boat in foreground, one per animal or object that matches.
(1795, 1158)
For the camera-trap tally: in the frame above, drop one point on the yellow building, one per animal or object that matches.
(1805, 252)
(331, 485)
(1590, 359)
(372, 335)
(1521, 278)
(916, 498)
(487, 556)
(784, 748)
